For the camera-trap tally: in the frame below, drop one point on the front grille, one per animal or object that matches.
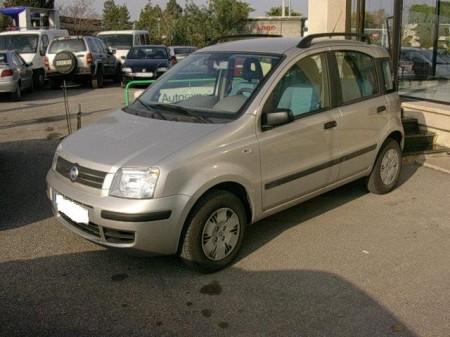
(110, 235)
(86, 176)
(90, 228)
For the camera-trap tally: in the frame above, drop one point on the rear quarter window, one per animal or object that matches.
(388, 76)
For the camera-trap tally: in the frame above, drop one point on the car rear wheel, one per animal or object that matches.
(97, 81)
(386, 171)
(38, 78)
(215, 230)
(17, 95)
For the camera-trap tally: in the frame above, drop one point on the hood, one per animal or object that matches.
(123, 139)
(148, 64)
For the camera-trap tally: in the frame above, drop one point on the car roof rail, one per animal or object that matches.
(240, 36)
(307, 40)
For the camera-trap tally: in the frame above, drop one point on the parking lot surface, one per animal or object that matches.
(347, 263)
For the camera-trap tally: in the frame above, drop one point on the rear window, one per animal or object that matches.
(148, 53)
(3, 58)
(73, 45)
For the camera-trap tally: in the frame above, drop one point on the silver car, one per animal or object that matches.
(233, 134)
(15, 74)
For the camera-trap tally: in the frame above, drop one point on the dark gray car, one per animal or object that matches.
(15, 74)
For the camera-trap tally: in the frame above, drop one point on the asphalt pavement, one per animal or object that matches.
(347, 263)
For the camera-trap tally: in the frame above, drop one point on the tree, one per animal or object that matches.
(150, 19)
(115, 17)
(30, 3)
(228, 16)
(79, 11)
(276, 11)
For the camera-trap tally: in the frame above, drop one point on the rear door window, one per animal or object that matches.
(388, 76)
(357, 75)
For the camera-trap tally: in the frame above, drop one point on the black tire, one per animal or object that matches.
(375, 183)
(55, 84)
(118, 74)
(38, 78)
(17, 95)
(191, 251)
(66, 63)
(97, 81)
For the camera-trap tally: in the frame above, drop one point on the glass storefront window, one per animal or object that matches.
(424, 71)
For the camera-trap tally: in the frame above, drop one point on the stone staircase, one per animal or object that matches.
(418, 141)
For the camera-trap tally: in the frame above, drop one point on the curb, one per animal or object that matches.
(433, 167)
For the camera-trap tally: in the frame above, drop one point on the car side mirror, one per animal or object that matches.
(42, 50)
(29, 64)
(277, 118)
(111, 51)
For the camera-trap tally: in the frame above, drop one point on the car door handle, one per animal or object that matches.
(330, 125)
(381, 109)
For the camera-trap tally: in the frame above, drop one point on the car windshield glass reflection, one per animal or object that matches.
(210, 88)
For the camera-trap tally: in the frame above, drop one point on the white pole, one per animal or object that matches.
(283, 8)
(289, 11)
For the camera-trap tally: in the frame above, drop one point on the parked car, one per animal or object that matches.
(422, 63)
(15, 74)
(121, 41)
(145, 63)
(81, 59)
(31, 45)
(206, 150)
(181, 52)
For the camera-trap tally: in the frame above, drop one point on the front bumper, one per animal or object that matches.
(8, 86)
(152, 227)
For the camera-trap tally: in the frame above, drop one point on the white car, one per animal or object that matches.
(31, 45)
(121, 41)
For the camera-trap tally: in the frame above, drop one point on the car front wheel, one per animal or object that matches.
(386, 171)
(215, 230)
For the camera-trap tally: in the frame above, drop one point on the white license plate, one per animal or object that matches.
(74, 211)
(63, 63)
(143, 75)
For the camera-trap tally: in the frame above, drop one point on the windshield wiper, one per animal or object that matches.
(180, 109)
(150, 108)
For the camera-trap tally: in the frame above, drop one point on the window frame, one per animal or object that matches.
(325, 59)
(380, 64)
(336, 80)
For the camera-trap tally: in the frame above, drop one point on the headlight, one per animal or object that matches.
(134, 183)
(161, 69)
(55, 157)
(127, 70)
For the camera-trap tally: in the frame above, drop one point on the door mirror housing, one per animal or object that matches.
(29, 65)
(277, 118)
(111, 51)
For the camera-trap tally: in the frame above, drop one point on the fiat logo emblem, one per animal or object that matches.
(73, 174)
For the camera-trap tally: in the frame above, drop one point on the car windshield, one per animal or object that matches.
(118, 41)
(22, 43)
(210, 88)
(181, 51)
(148, 53)
(73, 45)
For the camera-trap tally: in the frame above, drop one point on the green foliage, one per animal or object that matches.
(276, 11)
(193, 25)
(115, 17)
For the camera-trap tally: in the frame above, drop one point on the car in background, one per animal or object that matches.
(121, 41)
(31, 45)
(15, 74)
(181, 52)
(81, 59)
(145, 63)
(422, 64)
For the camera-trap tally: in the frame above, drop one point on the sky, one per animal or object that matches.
(135, 6)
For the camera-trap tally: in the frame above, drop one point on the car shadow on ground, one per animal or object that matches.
(102, 293)
(23, 168)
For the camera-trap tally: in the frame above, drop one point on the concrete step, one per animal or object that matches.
(419, 142)
(411, 126)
